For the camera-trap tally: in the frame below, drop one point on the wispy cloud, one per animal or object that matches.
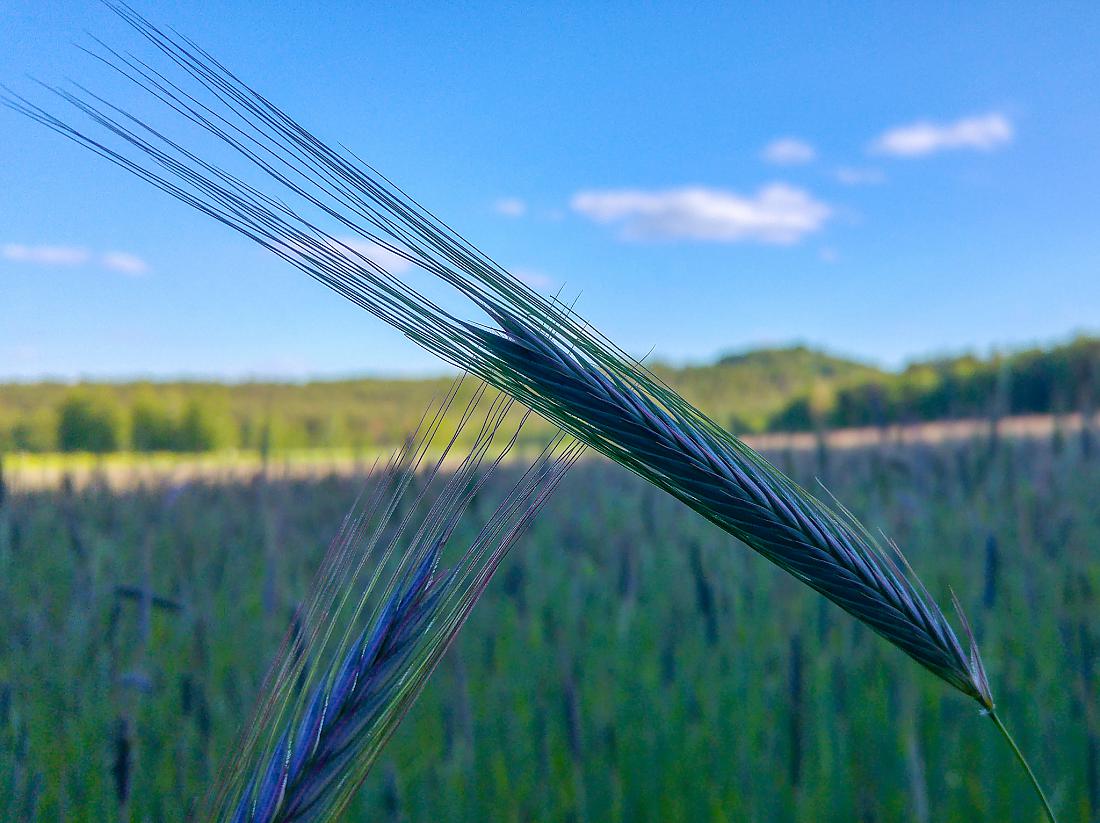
(510, 207)
(789, 151)
(984, 132)
(777, 214)
(45, 255)
(354, 249)
(123, 262)
(851, 176)
(389, 260)
(533, 278)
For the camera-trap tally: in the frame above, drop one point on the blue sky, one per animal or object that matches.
(886, 181)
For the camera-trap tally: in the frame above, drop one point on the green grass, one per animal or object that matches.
(629, 662)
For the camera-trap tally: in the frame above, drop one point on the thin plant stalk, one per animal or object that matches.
(1027, 766)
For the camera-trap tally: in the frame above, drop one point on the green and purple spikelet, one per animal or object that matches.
(304, 766)
(395, 588)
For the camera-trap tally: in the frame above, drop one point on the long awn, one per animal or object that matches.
(396, 586)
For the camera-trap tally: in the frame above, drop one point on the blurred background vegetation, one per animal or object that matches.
(629, 662)
(790, 389)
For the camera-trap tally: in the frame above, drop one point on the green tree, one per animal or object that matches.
(34, 431)
(201, 429)
(85, 425)
(152, 427)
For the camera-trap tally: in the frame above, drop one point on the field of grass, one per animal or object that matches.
(629, 662)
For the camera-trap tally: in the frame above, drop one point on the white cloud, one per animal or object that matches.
(776, 214)
(117, 261)
(510, 207)
(354, 249)
(789, 151)
(389, 260)
(535, 279)
(982, 132)
(45, 255)
(851, 176)
(123, 262)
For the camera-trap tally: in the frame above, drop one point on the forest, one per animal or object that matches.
(789, 389)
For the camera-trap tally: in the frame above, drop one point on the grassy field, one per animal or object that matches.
(630, 662)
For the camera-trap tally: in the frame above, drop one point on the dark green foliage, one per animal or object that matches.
(198, 430)
(1037, 381)
(88, 426)
(746, 389)
(152, 428)
(767, 389)
(373, 412)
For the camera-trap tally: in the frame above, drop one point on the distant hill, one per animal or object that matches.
(745, 391)
(742, 391)
(765, 389)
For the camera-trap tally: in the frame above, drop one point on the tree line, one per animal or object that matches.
(203, 417)
(1036, 381)
(84, 424)
(794, 388)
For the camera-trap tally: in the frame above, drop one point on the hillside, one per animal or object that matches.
(779, 389)
(742, 391)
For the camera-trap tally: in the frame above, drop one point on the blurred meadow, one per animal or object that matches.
(629, 661)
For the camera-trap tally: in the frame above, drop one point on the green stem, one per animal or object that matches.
(1024, 763)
